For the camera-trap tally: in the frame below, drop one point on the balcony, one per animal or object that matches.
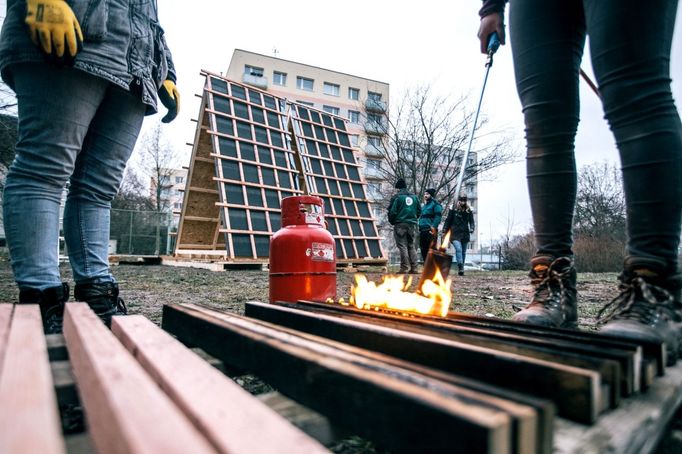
(374, 127)
(375, 150)
(375, 105)
(374, 173)
(255, 81)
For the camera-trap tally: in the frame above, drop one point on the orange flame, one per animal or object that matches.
(446, 241)
(392, 293)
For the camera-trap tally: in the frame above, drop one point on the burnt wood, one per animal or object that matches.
(399, 409)
(576, 391)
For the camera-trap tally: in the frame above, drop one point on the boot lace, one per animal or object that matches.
(549, 289)
(654, 301)
(121, 308)
(54, 320)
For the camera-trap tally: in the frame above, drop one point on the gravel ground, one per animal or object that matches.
(146, 289)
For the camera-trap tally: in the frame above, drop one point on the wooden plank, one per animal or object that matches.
(634, 428)
(575, 391)
(5, 318)
(126, 411)
(29, 419)
(398, 409)
(232, 419)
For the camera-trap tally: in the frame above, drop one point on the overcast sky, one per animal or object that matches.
(403, 43)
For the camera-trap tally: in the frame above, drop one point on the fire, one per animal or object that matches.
(446, 241)
(392, 293)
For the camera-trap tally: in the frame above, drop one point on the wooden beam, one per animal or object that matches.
(575, 391)
(233, 420)
(29, 419)
(398, 409)
(5, 318)
(126, 411)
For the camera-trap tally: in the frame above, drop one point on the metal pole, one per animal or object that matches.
(130, 235)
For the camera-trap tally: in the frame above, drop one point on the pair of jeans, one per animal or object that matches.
(425, 239)
(460, 251)
(630, 49)
(405, 236)
(76, 128)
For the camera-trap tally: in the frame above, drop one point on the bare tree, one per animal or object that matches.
(159, 162)
(8, 135)
(600, 203)
(428, 135)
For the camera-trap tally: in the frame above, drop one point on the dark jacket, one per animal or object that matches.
(492, 6)
(460, 223)
(432, 213)
(404, 208)
(123, 43)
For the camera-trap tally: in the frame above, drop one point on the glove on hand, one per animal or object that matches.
(170, 97)
(52, 26)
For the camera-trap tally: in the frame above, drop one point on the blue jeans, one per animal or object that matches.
(460, 251)
(73, 127)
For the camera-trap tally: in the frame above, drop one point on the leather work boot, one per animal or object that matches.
(647, 307)
(102, 298)
(51, 301)
(460, 269)
(554, 301)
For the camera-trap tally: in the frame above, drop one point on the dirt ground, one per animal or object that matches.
(146, 289)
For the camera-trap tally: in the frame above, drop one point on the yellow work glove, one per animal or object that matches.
(54, 28)
(170, 97)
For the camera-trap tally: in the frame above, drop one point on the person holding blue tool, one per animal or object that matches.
(630, 46)
(85, 74)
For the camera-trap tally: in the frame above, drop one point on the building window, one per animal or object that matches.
(177, 205)
(353, 139)
(354, 116)
(331, 89)
(253, 70)
(374, 140)
(374, 96)
(306, 103)
(179, 180)
(374, 188)
(279, 78)
(353, 93)
(331, 109)
(303, 83)
(374, 164)
(375, 119)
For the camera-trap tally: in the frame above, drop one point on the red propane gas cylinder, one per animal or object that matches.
(302, 253)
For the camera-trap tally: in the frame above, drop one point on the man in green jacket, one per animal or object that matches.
(403, 213)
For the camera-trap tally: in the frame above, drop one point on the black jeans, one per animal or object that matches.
(425, 238)
(630, 47)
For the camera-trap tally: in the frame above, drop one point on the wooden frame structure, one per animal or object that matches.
(252, 149)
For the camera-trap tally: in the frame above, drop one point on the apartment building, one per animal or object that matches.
(363, 102)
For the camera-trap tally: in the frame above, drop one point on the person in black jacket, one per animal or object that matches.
(630, 46)
(460, 223)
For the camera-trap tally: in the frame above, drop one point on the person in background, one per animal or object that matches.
(630, 46)
(460, 223)
(85, 74)
(432, 212)
(403, 213)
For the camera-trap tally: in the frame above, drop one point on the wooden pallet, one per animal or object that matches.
(139, 389)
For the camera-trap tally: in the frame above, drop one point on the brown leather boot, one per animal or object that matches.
(51, 301)
(647, 307)
(554, 300)
(102, 298)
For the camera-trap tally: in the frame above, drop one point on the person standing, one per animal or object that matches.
(630, 45)
(432, 212)
(460, 222)
(403, 213)
(85, 74)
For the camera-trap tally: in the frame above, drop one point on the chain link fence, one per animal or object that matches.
(142, 232)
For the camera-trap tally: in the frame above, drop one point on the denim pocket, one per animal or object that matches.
(92, 16)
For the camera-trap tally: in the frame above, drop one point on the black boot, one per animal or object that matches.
(51, 301)
(648, 306)
(555, 298)
(460, 269)
(102, 298)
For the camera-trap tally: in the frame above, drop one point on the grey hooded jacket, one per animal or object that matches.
(123, 43)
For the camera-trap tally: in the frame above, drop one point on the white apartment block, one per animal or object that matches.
(363, 102)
